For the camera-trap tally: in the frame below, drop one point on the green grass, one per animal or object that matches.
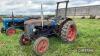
(88, 37)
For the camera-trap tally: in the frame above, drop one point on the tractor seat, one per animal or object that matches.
(38, 22)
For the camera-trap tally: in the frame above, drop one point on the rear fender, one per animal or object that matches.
(61, 25)
(66, 20)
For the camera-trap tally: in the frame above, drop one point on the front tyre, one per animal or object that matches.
(24, 40)
(41, 45)
(10, 31)
(69, 31)
(2, 30)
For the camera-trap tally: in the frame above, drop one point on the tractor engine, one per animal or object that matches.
(35, 28)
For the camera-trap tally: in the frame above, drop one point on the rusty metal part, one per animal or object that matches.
(38, 22)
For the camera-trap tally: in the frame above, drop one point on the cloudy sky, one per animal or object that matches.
(32, 7)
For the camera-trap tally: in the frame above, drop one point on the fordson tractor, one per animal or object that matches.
(37, 31)
(11, 24)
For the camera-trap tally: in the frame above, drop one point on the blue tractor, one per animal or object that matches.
(37, 31)
(11, 24)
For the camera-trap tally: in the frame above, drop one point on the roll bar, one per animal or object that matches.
(65, 8)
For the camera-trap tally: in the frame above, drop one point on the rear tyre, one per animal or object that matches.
(24, 40)
(41, 45)
(69, 31)
(10, 31)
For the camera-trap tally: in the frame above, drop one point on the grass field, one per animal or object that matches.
(88, 37)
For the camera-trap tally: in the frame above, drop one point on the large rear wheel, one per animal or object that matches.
(69, 31)
(41, 45)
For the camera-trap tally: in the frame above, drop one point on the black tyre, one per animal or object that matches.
(2, 30)
(24, 40)
(10, 31)
(69, 31)
(41, 45)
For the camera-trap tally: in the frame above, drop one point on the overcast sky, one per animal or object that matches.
(32, 7)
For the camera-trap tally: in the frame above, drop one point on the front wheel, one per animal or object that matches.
(2, 30)
(41, 45)
(24, 40)
(10, 31)
(69, 31)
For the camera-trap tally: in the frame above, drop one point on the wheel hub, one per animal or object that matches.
(42, 46)
(71, 33)
(25, 40)
(10, 32)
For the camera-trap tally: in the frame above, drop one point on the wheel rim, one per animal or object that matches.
(10, 32)
(71, 33)
(25, 40)
(42, 46)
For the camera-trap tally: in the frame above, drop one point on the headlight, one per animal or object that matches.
(34, 30)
